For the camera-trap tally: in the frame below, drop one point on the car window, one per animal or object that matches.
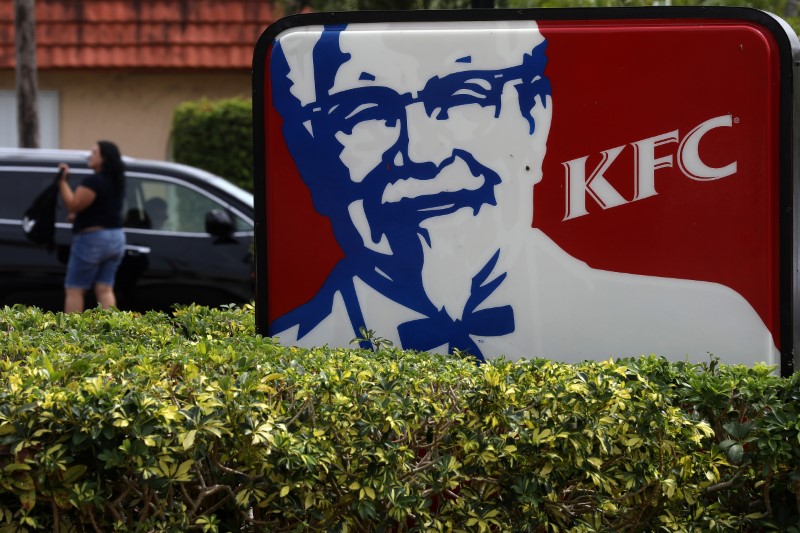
(19, 187)
(170, 206)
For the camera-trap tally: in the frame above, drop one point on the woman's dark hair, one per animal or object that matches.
(113, 166)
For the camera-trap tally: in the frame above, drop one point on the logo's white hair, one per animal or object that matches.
(298, 43)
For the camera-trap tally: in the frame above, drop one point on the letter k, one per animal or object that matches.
(596, 185)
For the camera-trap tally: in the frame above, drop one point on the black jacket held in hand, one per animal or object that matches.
(39, 220)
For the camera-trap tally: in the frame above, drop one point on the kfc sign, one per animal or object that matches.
(646, 163)
(450, 181)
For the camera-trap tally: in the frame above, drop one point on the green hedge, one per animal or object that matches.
(114, 421)
(216, 136)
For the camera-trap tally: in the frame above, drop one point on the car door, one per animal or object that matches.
(170, 257)
(30, 273)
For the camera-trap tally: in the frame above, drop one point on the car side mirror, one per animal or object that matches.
(220, 225)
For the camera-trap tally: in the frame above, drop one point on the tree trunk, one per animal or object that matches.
(27, 84)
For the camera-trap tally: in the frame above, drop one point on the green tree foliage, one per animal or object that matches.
(356, 5)
(788, 9)
(780, 7)
(217, 137)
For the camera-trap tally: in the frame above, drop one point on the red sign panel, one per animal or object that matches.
(557, 183)
(714, 83)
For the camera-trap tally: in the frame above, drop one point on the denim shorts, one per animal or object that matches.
(94, 258)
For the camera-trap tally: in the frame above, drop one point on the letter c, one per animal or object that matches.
(689, 155)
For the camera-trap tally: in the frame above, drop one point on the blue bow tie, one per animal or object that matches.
(427, 333)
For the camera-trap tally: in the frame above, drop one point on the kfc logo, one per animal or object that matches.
(578, 185)
(423, 146)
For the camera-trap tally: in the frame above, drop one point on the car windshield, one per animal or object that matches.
(219, 183)
(233, 190)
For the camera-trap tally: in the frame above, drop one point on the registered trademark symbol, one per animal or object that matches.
(736, 120)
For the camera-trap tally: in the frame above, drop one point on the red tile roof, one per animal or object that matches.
(193, 34)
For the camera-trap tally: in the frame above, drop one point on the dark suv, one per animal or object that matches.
(189, 235)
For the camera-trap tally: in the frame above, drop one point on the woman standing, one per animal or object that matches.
(98, 244)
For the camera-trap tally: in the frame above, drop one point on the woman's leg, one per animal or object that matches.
(105, 295)
(79, 275)
(114, 244)
(73, 300)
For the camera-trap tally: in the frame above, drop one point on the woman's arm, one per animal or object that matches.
(76, 201)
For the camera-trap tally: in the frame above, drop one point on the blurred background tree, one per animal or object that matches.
(787, 9)
(26, 76)
(216, 136)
